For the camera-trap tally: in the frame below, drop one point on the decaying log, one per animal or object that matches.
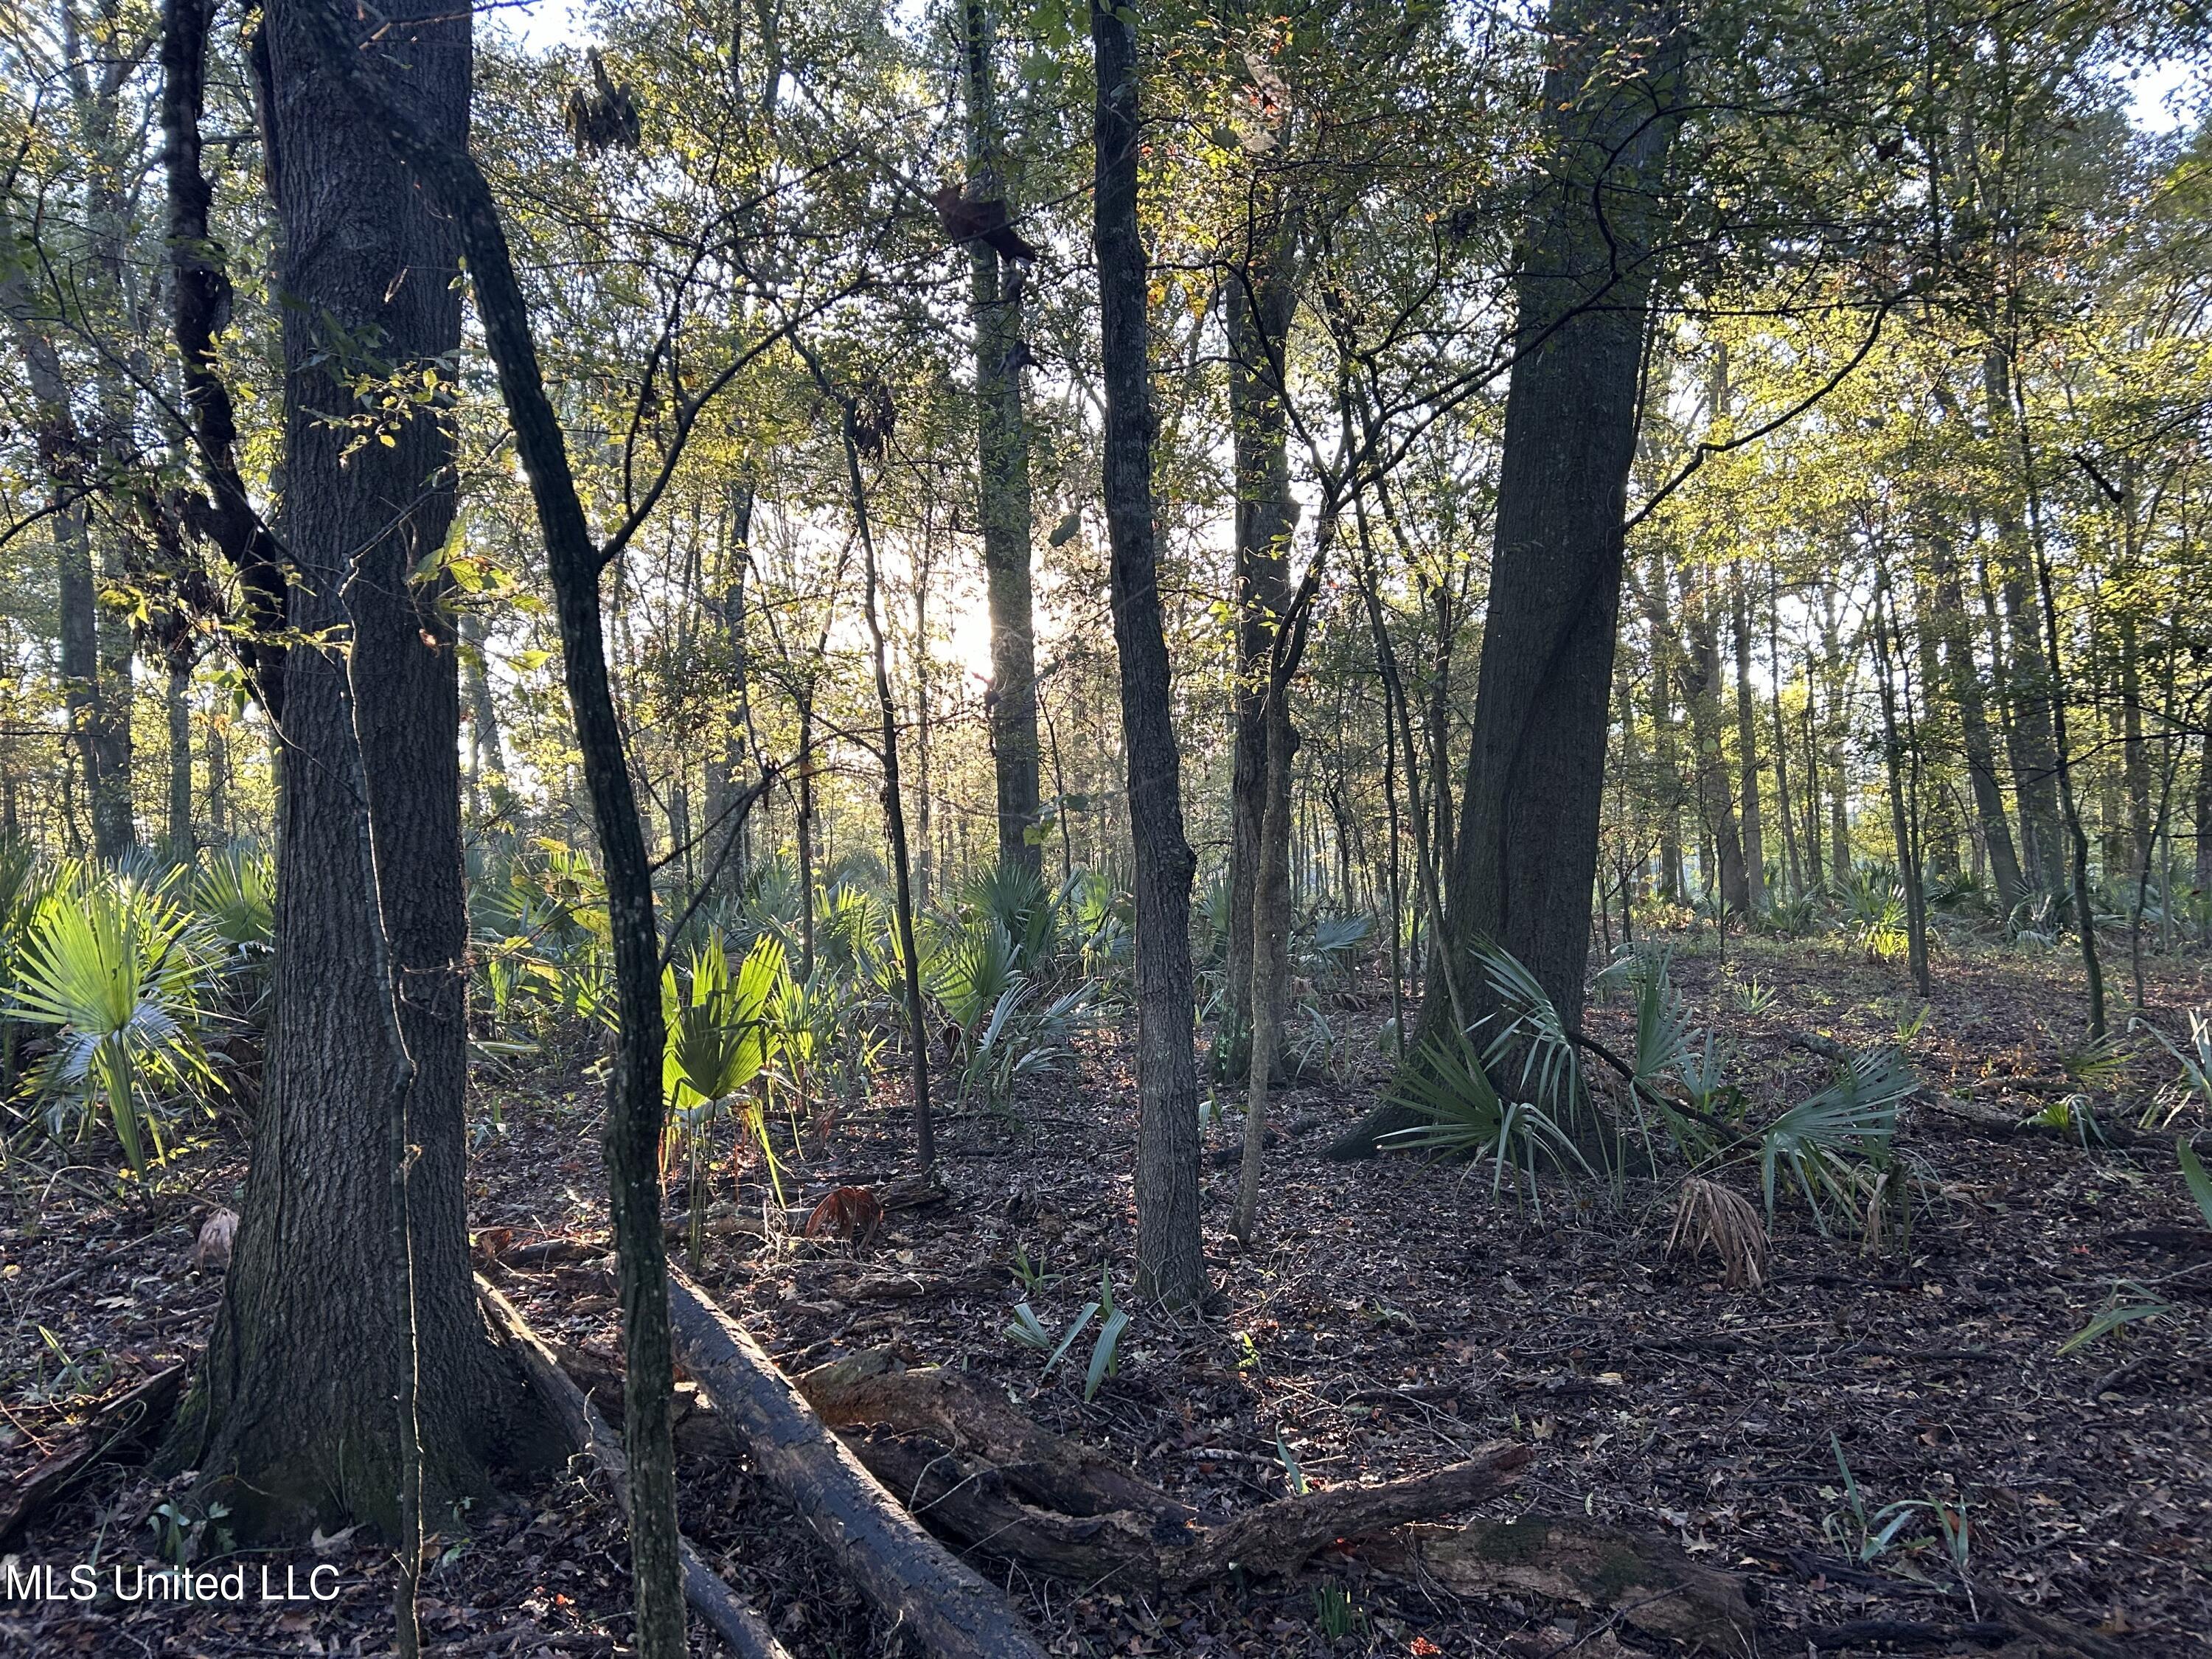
(1651, 1584)
(1046, 1469)
(728, 1614)
(987, 1477)
(903, 1570)
(123, 1425)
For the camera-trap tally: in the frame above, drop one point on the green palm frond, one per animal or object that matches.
(1824, 1140)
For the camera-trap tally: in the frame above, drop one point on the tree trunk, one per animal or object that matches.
(293, 1412)
(925, 1138)
(2085, 914)
(1747, 738)
(177, 837)
(1525, 857)
(201, 310)
(2027, 690)
(636, 1106)
(1701, 687)
(1002, 469)
(1168, 1263)
(1658, 614)
(1270, 909)
(2203, 863)
(1781, 806)
(1886, 651)
(487, 759)
(1973, 720)
(2135, 754)
(1258, 304)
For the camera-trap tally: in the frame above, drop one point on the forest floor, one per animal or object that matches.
(1394, 1315)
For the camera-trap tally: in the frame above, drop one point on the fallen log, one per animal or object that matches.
(123, 1425)
(987, 1478)
(1649, 1582)
(903, 1570)
(731, 1617)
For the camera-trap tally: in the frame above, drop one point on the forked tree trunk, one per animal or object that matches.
(200, 310)
(1525, 859)
(293, 1415)
(1170, 1265)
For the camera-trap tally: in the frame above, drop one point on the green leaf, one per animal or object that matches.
(2192, 1171)
(1074, 1331)
(2111, 1319)
(1291, 1466)
(1102, 1350)
(1027, 1330)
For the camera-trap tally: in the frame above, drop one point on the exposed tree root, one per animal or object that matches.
(990, 1480)
(123, 1424)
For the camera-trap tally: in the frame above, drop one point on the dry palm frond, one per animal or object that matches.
(1708, 1216)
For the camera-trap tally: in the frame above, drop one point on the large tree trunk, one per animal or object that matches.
(1002, 469)
(295, 1415)
(1170, 1265)
(636, 1105)
(1526, 854)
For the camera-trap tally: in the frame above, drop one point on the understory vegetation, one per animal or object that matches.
(1009, 828)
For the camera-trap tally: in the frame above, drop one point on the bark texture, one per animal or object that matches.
(294, 1413)
(1168, 1263)
(1002, 471)
(1525, 856)
(1258, 304)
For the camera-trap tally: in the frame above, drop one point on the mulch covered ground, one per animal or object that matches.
(1393, 1316)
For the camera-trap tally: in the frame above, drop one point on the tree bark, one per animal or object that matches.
(1525, 857)
(1701, 687)
(1974, 730)
(201, 311)
(636, 1106)
(293, 1415)
(2027, 690)
(1002, 469)
(1257, 305)
(1170, 1265)
(1888, 650)
(177, 836)
(1746, 737)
